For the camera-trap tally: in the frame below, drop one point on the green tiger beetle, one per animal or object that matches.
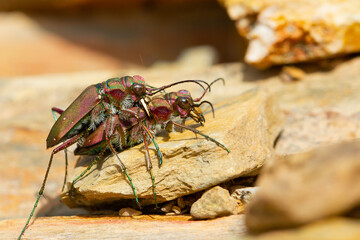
(96, 109)
(141, 128)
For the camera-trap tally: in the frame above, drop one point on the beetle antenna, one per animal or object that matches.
(208, 88)
(176, 83)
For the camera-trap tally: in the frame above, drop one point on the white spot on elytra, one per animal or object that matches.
(64, 118)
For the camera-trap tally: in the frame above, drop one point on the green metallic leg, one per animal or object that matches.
(70, 192)
(153, 140)
(66, 170)
(158, 151)
(123, 168)
(149, 167)
(59, 148)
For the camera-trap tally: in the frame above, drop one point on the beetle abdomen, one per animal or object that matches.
(73, 116)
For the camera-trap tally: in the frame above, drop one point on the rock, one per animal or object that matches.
(243, 194)
(215, 202)
(247, 125)
(168, 206)
(129, 212)
(176, 210)
(290, 74)
(320, 109)
(143, 227)
(282, 32)
(304, 187)
(305, 130)
(327, 229)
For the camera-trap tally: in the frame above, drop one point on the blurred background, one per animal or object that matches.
(39, 37)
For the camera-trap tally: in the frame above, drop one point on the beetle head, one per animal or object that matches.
(138, 87)
(184, 106)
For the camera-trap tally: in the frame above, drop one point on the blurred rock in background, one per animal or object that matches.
(282, 31)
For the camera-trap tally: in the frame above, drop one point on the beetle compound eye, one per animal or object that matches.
(184, 103)
(139, 89)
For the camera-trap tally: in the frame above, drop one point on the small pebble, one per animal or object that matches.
(290, 74)
(170, 214)
(215, 202)
(129, 212)
(176, 210)
(168, 207)
(243, 194)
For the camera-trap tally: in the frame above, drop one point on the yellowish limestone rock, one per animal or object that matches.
(215, 202)
(301, 188)
(247, 125)
(282, 31)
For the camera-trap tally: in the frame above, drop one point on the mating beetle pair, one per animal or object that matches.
(117, 114)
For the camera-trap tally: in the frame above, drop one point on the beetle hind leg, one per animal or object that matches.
(60, 111)
(149, 167)
(56, 150)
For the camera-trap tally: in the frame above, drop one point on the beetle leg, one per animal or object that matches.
(151, 136)
(149, 166)
(182, 123)
(123, 168)
(202, 134)
(60, 111)
(66, 170)
(59, 148)
(70, 192)
(109, 132)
